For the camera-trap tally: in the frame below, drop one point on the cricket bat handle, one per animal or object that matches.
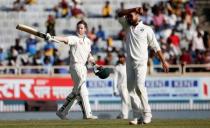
(33, 31)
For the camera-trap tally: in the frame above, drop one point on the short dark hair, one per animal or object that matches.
(82, 22)
(121, 55)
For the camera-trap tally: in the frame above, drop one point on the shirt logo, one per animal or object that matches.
(141, 29)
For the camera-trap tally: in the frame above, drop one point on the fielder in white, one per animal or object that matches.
(120, 86)
(138, 38)
(80, 48)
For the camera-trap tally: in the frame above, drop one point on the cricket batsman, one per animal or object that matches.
(138, 38)
(80, 48)
(120, 86)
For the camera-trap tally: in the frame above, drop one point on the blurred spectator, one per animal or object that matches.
(30, 2)
(12, 56)
(207, 57)
(109, 60)
(206, 40)
(175, 40)
(171, 19)
(146, 16)
(47, 65)
(76, 11)
(121, 34)
(181, 25)
(18, 47)
(195, 19)
(49, 48)
(100, 61)
(67, 59)
(170, 5)
(199, 57)
(197, 42)
(173, 52)
(3, 56)
(31, 45)
(106, 10)
(185, 58)
(187, 36)
(158, 20)
(92, 35)
(50, 25)
(94, 48)
(177, 9)
(61, 70)
(38, 59)
(12, 60)
(109, 45)
(56, 56)
(23, 60)
(64, 8)
(122, 7)
(155, 59)
(100, 33)
(56, 9)
(19, 5)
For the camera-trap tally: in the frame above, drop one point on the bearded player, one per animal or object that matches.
(138, 38)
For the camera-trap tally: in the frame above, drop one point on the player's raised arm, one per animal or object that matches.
(70, 40)
(59, 38)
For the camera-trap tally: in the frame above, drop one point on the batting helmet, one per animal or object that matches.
(102, 73)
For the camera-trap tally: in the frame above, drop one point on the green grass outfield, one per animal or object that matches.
(188, 123)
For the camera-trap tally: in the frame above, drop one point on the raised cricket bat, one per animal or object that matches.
(33, 31)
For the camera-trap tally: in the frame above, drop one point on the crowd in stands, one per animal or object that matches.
(20, 5)
(66, 9)
(175, 23)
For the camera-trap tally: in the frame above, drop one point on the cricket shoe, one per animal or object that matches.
(91, 117)
(61, 115)
(147, 118)
(136, 121)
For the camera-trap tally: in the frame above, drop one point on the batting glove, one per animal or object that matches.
(96, 68)
(49, 37)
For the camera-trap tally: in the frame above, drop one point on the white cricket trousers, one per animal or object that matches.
(79, 93)
(125, 101)
(136, 75)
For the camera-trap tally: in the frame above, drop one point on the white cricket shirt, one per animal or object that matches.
(138, 39)
(80, 48)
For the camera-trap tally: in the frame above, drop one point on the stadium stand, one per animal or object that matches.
(163, 16)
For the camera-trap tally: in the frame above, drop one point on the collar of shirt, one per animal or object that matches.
(82, 36)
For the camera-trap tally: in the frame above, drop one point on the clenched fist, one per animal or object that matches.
(49, 37)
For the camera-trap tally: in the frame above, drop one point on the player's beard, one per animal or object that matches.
(133, 23)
